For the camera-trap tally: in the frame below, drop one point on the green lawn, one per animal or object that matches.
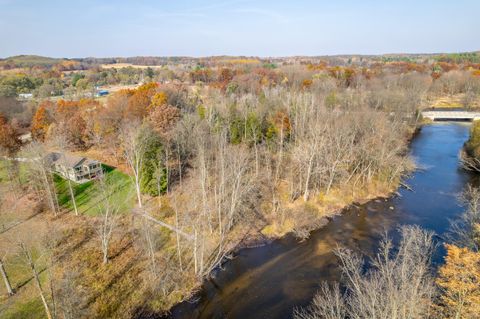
(22, 169)
(87, 196)
(31, 309)
(26, 303)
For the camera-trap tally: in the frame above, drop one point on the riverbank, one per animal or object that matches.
(301, 218)
(269, 281)
(128, 273)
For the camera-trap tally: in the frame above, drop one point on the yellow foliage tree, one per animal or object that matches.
(459, 279)
(158, 99)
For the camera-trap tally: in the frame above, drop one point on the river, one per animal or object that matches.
(270, 281)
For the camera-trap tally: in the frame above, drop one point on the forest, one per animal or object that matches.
(204, 156)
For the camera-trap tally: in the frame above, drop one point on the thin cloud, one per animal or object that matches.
(174, 15)
(265, 13)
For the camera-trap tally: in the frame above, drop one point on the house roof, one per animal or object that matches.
(66, 159)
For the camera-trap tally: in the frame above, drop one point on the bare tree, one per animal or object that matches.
(8, 286)
(177, 237)
(40, 174)
(149, 242)
(397, 285)
(14, 182)
(468, 162)
(465, 231)
(71, 298)
(306, 154)
(134, 139)
(29, 260)
(328, 303)
(108, 208)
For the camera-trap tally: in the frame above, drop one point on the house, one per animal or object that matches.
(25, 96)
(75, 168)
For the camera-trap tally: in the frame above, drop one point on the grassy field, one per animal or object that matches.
(26, 302)
(31, 309)
(129, 65)
(4, 171)
(453, 101)
(33, 60)
(87, 196)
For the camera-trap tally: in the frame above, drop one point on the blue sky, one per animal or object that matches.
(103, 28)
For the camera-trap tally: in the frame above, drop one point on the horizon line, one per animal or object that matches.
(243, 55)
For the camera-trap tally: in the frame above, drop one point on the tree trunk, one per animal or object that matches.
(178, 240)
(195, 253)
(167, 171)
(28, 256)
(137, 190)
(105, 241)
(256, 158)
(307, 180)
(72, 196)
(5, 279)
(150, 249)
(70, 188)
(50, 195)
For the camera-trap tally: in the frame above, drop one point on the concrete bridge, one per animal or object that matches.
(451, 115)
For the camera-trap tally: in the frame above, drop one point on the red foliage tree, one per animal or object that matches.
(8, 136)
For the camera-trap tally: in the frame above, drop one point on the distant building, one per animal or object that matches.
(75, 168)
(25, 138)
(25, 96)
(102, 93)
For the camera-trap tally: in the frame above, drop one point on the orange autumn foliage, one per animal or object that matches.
(307, 83)
(459, 279)
(8, 138)
(226, 75)
(335, 72)
(317, 67)
(66, 109)
(40, 123)
(435, 75)
(163, 118)
(446, 67)
(201, 75)
(139, 101)
(280, 125)
(400, 67)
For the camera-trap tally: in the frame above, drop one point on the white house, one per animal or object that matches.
(25, 96)
(75, 168)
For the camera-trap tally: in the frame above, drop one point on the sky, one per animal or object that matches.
(267, 28)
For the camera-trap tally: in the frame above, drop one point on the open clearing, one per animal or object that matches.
(129, 65)
(87, 196)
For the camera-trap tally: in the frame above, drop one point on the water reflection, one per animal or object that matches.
(269, 281)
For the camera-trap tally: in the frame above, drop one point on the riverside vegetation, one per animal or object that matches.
(400, 281)
(209, 155)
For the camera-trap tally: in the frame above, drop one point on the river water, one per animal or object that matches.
(270, 281)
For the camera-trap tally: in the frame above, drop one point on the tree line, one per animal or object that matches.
(211, 165)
